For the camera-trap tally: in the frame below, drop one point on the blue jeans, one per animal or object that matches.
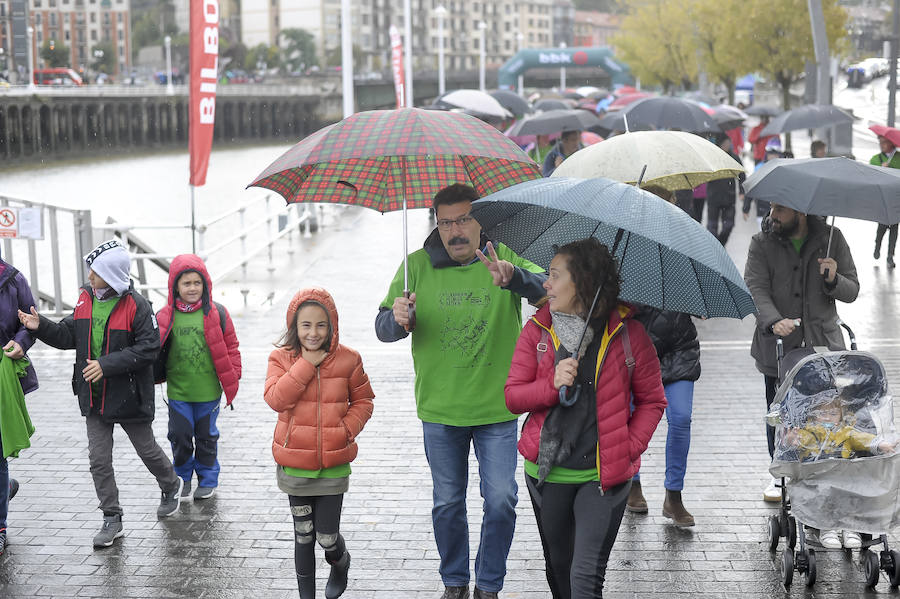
(447, 451)
(190, 424)
(680, 396)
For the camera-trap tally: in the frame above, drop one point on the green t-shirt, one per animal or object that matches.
(190, 373)
(462, 346)
(100, 311)
(341, 471)
(798, 244)
(558, 474)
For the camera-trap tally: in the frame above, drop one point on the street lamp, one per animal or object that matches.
(520, 37)
(562, 72)
(482, 27)
(441, 13)
(170, 89)
(30, 32)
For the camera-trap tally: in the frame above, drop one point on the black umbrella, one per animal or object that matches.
(663, 112)
(811, 116)
(552, 104)
(555, 121)
(512, 101)
(763, 110)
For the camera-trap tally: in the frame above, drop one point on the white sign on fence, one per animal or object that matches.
(21, 223)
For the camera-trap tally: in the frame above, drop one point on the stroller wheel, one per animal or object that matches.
(791, 532)
(810, 567)
(773, 533)
(787, 567)
(894, 574)
(872, 569)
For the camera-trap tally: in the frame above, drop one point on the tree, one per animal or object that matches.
(299, 49)
(656, 40)
(55, 54)
(719, 56)
(334, 57)
(262, 56)
(104, 57)
(146, 29)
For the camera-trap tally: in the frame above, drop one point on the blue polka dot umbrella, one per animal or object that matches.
(666, 259)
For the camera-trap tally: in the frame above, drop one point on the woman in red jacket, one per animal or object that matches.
(323, 399)
(579, 460)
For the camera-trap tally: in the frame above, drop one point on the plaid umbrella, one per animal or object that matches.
(375, 158)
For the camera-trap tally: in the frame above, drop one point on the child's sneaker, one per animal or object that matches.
(168, 503)
(110, 531)
(851, 539)
(3, 541)
(186, 491)
(830, 539)
(204, 492)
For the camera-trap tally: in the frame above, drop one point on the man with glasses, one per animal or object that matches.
(467, 297)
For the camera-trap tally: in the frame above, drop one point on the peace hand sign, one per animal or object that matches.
(501, 270)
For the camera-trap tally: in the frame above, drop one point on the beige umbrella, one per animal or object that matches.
(673, 159)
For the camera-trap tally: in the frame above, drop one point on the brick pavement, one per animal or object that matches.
(239, 544)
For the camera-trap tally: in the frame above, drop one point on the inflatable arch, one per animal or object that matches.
(574, 57)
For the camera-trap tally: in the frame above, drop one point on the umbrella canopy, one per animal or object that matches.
(666, 259)
(588, 138)
(474, 101)
(674, 160)
(811, 116)
(587, 90)
(376, 158)
(512, 101)
(728, 117)
(891, 133)
(555, 121)
(664, 112)
(763, 110)
(626, 99)
(625, 90)
(552, 104)
(829, 187)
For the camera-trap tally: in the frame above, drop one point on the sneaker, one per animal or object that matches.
(851, 539)
(13, 488)
(3, 541)
(455, 593)
(186, 491)
(110, 531)
(168, 503)
(830, 539)
(773, 491)
(204, 492)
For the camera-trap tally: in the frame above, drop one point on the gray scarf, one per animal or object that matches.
(568, 328)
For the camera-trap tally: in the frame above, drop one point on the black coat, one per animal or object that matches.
(130, 345)
(675, 338)
(721, 191)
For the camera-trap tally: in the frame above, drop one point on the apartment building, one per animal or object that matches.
(592, 28)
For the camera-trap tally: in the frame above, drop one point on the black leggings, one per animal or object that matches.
(578, 527)
(316, 519)
(892, 238)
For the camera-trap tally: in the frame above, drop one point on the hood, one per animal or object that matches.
(184, 263)
(622, 311)
(319, 295)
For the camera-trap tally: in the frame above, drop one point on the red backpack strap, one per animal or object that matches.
(629, 357)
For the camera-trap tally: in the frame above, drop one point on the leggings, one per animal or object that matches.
(578, 527)
(892, 238)
(318, 519)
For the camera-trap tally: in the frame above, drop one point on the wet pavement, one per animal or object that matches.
(239, 544)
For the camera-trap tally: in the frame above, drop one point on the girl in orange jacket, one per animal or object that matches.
(323, 399)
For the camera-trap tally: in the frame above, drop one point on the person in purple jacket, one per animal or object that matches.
(15, 295)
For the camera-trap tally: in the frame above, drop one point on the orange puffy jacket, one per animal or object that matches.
(320, 409)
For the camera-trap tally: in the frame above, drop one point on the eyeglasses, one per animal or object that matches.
(444, 224)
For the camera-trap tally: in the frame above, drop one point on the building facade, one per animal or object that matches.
(593, 28)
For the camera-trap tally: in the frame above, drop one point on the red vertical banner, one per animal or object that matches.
(204, 36)
(397, 66)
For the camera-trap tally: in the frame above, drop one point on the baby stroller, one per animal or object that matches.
(836, 454)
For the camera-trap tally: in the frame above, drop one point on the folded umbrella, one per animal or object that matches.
(666, 259)
(555, 121)
(811, 116)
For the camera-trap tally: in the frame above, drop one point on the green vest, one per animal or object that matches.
(462, 346)
(190, 373)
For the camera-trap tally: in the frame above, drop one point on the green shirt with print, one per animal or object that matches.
(100, 311)
(190, 373)
(462, 346)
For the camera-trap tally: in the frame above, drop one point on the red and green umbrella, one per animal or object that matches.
(397, 159)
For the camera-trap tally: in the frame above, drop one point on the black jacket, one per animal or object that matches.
(721, 191)
(675, 338)
(130, 345)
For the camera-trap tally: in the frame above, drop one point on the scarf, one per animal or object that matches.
(185, 307)
(568, 328)
(104, 293)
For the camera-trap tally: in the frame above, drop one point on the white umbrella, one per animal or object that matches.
(674, 160)
(586, 90)
(475, 101)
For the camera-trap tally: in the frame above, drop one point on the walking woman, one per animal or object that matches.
(675, 338)
(579, 459)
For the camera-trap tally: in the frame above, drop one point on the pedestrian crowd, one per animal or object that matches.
(593, 375)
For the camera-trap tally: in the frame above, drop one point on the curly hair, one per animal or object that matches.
(591, 265)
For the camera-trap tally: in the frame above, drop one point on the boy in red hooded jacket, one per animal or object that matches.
(200, 359)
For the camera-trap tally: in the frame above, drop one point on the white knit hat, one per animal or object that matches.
(111, 262)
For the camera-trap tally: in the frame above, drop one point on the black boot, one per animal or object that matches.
(307, 586)
(337, 580)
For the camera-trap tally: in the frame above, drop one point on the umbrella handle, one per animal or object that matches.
(566, 399)
(411, 309)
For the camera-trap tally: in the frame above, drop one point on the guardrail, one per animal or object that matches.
(314, 87)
